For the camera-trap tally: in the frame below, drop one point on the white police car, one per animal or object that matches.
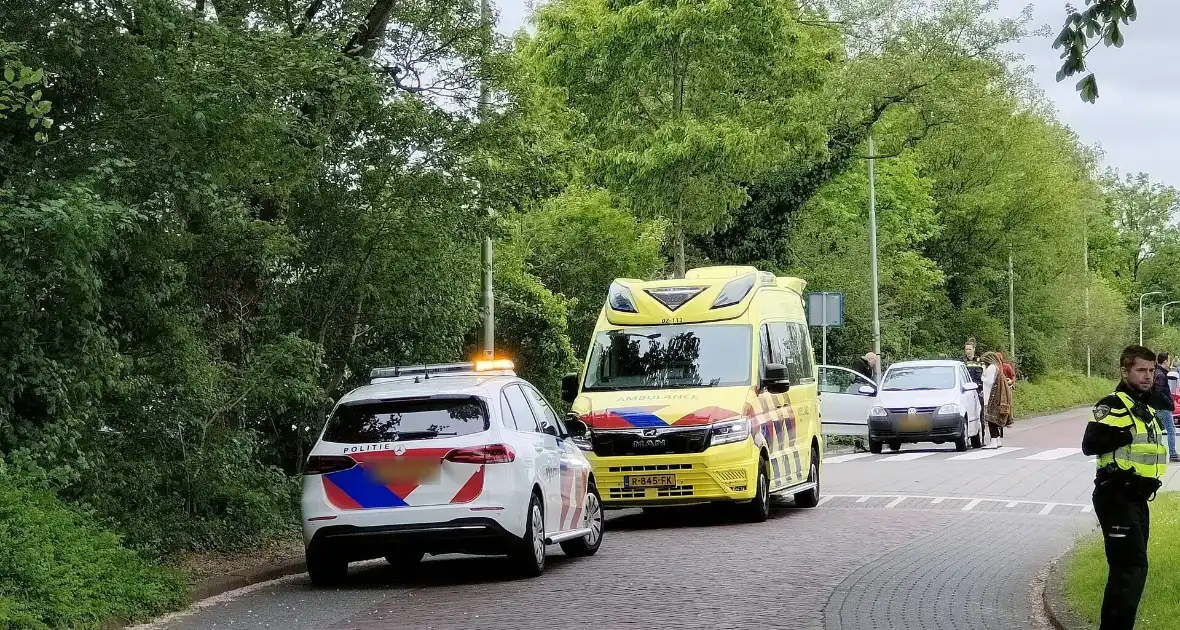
(462, 458)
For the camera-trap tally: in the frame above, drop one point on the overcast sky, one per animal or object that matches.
(1136, 120)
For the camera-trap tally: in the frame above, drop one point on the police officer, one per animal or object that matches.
(975, 367)
(1131, 459)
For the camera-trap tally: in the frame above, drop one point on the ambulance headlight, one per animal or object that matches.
(619, 298)
(729, 431)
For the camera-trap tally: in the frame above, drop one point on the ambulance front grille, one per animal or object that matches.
(622, 493)
(677, 491)
(651, 468)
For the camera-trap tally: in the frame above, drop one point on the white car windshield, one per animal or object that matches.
(914, 378)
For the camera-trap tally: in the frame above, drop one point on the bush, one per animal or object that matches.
(58, 570)
(1058, 392)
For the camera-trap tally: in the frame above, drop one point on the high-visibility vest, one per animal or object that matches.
(1147, 454)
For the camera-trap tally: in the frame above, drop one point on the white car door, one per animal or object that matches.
(969, 400)
(558, 506)
(544, 450)
(844, 407)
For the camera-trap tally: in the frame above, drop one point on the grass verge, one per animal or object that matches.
(1160, 608)
(1058, 392)
(59, 571)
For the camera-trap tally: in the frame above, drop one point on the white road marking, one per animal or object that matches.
(1048, 508)
(824, 499)
(1052, 454)
(845, 458)
(1086, 509)
(864, 498)
(971, 504)
(984, 454)
(1012, 504)
(892, 504)
(905, 457)
(936, 501)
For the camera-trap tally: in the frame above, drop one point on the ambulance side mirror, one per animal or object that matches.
(569, 387)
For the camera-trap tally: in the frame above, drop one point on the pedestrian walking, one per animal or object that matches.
(1131, 460)
(997, 398)
(1162, 402)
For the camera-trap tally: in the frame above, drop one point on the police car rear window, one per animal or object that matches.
(406, 420)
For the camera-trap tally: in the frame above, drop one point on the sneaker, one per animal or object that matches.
(1175, 459)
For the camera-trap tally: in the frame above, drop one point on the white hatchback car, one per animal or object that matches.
(462, 458)
(926, 401)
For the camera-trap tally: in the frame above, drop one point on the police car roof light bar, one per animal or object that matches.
(422, 369)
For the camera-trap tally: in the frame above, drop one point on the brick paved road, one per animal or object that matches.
(926, 543)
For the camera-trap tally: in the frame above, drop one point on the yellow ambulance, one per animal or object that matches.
(701, 389)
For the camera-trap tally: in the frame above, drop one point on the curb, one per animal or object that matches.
(233, 581)
(1056, 605)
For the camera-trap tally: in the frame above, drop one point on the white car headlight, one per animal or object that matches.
(729, 431)
(878, 412)
(950, 409)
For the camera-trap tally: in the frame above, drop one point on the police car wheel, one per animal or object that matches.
(588, 545)
(325, 567)
(961, 443)
(529, 554)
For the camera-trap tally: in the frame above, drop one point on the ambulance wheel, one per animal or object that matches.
(758, 510)
(324, 567)
(875, 447)
(961, 443)
(810, 498)
(588, 545)
(529, 554)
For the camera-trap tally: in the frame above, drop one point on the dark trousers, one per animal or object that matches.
(1125, 527)
(996, 430)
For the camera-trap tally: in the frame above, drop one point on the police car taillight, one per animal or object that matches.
(489, 454)
(324, 464)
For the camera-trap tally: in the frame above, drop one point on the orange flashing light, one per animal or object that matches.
(494, 365)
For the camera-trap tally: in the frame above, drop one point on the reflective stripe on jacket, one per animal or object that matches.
(1147, 454)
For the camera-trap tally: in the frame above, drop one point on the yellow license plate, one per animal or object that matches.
(915, 423)
(649, 481)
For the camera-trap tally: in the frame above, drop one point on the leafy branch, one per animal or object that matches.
(1083, 31)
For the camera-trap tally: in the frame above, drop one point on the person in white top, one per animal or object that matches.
(990, 374)
(997, 399)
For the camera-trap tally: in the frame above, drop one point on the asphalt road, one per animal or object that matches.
(923, 538)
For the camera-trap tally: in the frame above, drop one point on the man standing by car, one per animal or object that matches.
(975, 367)
(1162, 394)
(1131, 460)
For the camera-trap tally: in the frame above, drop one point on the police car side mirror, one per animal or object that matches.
(576, 427)
(569, 387)
(549, 429)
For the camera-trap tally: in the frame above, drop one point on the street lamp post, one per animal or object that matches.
(873, 246)
(1141, 312)
(1166, 305)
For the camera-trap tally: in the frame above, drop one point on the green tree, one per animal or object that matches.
(678, 104)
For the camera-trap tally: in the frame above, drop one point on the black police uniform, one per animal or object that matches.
(1120, 503)
(975, 368)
